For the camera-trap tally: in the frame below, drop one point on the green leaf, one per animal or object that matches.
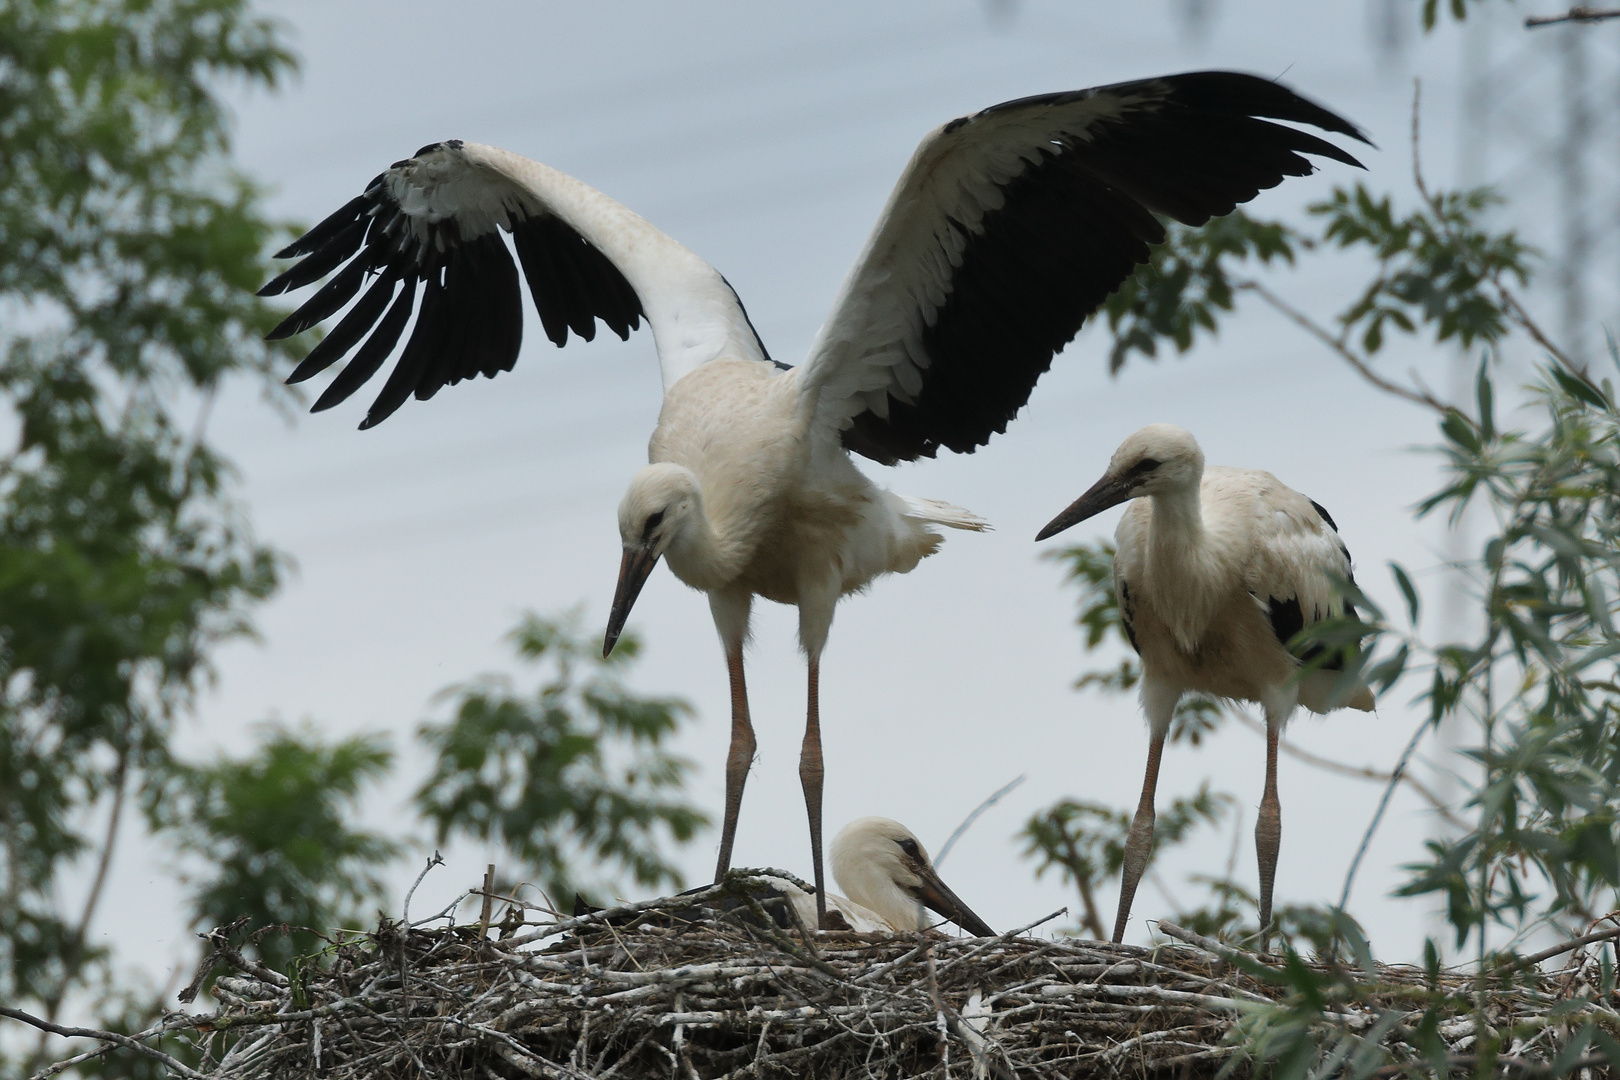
(1304, 982)
(276, 832)
(1579, 389)
(130, 246)
(1572, 1051)
(1602, 1040)
(1176, 297)
(1405, 584)
(1484, 395)
(1460, 430)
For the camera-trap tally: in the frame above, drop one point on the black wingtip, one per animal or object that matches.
(285, 329)
(1259, 95)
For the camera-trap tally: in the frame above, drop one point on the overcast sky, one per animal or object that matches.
(766, 138)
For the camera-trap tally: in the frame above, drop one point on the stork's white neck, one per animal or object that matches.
(1183, 565)
(699, 556)
(1178, 514)
(871, 886)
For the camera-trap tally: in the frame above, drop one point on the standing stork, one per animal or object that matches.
(1005, 231)
(1216, 570)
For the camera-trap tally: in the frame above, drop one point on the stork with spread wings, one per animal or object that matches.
(1006, 230)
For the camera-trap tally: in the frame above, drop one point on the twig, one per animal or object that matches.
(967, 822)
(1573, 943)
(1359, 772)
(1004, 938)
(943, 1044)
(111, 1037)
(489, 902)
(1378, 815)
(205, 966)
(75, 943)
(1091, 920)
(405, 915)
(1336, 343)
(1215, 948)
(68, 1063)
(1506, 1062)
(73, 947)
(747, 1007)
(735, 880)
(1579, 14)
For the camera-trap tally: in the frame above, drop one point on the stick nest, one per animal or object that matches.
(737, 995)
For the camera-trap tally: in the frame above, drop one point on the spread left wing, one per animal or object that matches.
(430, 226)
(1012, 225)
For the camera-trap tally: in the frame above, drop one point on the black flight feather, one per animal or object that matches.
(1072, 226)
(360, 318)
(471, 317)
(371, 355)
(344, 243)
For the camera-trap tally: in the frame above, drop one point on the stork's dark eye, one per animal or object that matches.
(909, 846)
(654, 519)
(1145, 466)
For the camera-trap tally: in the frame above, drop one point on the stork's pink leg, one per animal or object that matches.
(738, 760)
(1139, 843)
(1268, 835)
(810, 774)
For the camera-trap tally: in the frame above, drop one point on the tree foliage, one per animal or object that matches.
(575, 768)
(272, 835)
(1085, 842)
(128, 250)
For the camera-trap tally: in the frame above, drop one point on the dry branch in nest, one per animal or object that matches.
(632, 992)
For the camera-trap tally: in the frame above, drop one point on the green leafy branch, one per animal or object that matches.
(537, 773)
(1085, 842)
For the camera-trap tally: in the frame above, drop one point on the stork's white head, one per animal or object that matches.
(1156, 460)
(880, 865)
(661, 500)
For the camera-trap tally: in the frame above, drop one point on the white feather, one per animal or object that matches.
(903, 275)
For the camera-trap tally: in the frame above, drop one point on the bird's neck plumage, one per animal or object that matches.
(701, 556)
(871, 888)
(1185, 572)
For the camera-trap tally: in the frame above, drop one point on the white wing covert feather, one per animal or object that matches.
(1296, 554)
(860, 919)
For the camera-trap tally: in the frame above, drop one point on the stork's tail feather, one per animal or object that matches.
(943, 513)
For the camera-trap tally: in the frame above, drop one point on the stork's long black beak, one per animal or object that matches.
(1104, 493)
(633, 571)
(938, 898)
